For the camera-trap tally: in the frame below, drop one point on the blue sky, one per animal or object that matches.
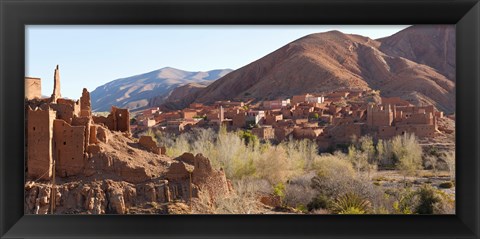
(90, 56)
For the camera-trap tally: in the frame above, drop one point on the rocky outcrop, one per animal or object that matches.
(131, 190)
(203, 176)
(149, 144)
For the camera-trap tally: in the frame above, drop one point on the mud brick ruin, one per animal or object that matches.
(101, 168)
(62, 130)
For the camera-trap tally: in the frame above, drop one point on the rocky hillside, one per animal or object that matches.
(136, 91)
(333, 60)
(432, 45)
(124, 177)
(178, 93)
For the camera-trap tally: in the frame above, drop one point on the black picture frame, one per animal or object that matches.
(15, 14)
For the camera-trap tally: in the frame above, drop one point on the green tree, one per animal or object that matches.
(449, 158)
(408, 153)
(380, 150)
(358, 158)
(314, 116)
(249, 138)
(432, 161)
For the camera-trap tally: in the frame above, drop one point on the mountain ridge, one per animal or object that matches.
(136, 91)
(333, 60)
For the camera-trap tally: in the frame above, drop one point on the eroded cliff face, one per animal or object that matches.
(114, 185)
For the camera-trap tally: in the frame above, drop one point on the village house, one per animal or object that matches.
(189, 113)
(228, 104)
(283, 132)
(264, 132)
(216, 116)
(239, 120)
(307, 132)
(255, 116)
(275, 104)
(151, 111)
(272, 119)
(147, 123)
(314, 99)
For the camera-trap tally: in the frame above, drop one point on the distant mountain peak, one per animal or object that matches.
(138, 90)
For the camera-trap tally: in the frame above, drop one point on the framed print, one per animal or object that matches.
(239, 119)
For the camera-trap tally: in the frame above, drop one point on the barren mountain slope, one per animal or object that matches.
(432, 45)
(136, 91)
(330, 61)
(178, 93)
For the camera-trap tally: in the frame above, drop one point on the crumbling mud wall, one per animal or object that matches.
(121, 119)
(40, 142)
(117, 120)
(149, 144)
(68, 148)
(66, 109)
(199, 169)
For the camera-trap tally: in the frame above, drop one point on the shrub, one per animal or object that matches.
(279, 190)
(405, 202)
(431, 162)
(150, 133)
(303, 152)
(351, 211)
(275, 166)
(336, 177)
(446, 185)
(351, 203)
(319, 202)
(333, 165)
(446, 204)
(427, 199)
(298, 190)
(358, 158)
(302, 208)
(243, 201)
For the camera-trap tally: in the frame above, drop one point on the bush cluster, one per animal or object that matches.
(337, 182)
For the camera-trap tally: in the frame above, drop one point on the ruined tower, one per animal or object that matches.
(56, 85)
(40, 142)
(85, 104)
